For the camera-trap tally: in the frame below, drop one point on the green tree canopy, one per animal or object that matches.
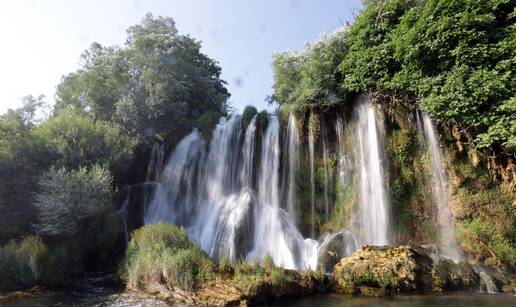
(454, 59)
(310, 78)
(158, 82)
(78, 140)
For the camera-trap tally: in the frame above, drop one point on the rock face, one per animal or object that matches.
(377, 271)
(136, 199)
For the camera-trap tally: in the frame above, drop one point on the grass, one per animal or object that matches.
(163, 253)
(27, 263)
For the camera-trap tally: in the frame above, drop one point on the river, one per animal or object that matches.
(101, 290)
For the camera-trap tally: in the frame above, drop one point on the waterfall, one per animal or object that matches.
(343, 168)
(325, 162)
(373, 209)
(440, 189)
(170, 202)
(275, 232)
(155, 163)
(293, 165)
(246, 175)
(208, 190)
(124, 213)
(311, 142)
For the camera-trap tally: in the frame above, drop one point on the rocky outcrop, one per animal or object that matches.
(376, 271)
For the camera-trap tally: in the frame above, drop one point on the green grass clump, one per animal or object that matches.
(162, 253)
(28, 263)
(268, 280)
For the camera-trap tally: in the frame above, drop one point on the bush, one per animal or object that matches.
(162, 253)
(78, 140)
(76, 207)
(69, 200)
(27, 263)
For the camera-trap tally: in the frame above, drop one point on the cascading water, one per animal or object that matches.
(246, 175)
(275, 232)
(209, 192)
(155, 163)
(293, 165)
(326, 179)
(343, 167)
(440, 189)
(169, 203)
(311, 142)
(373, 209)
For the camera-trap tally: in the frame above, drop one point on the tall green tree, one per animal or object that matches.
(158, 82)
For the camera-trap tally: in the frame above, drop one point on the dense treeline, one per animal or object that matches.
(60, 166)
(453, 59)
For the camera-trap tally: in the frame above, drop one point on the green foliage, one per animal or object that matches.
(456, 57)
(255, 280)
(311, 77)
(482, 238)
(485, 208)
(27, 263)
(23, 156)
(159, 82)
(225, 267)
(406, 182)
(163, 250)
(69, 200)
(77, 140)
(248, 114)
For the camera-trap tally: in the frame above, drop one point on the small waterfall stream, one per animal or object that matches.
(439, 183)
(326, 179)
(343, 167)
(156, 162)
(374, 204)
(293, 166)
(311, 154)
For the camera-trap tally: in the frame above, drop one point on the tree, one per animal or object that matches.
(78, 140)
(23, 157)
(310, 78)
(158, 83)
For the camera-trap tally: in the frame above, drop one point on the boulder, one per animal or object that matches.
(376, 271)
(448, 275)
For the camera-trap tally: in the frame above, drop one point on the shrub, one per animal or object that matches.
(27, 263)
(163, 253)
(68, 200)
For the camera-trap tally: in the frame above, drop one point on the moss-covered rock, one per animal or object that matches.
(386, 269)
(377, 271)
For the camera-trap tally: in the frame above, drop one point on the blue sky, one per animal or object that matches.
(42, 40)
